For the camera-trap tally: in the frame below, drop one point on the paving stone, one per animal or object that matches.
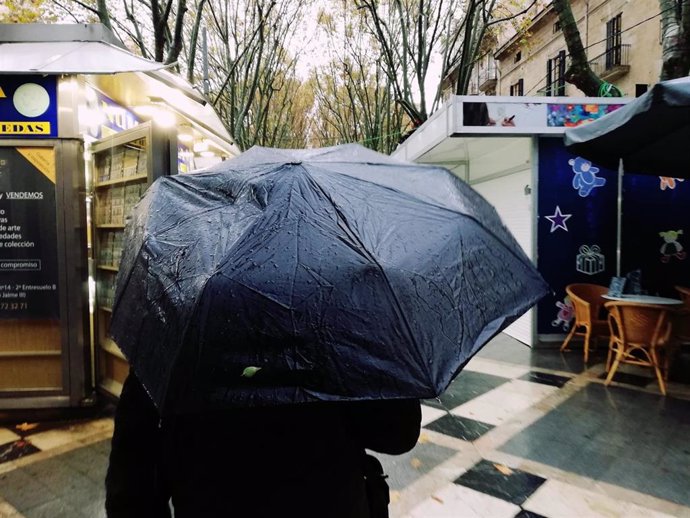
(404, 469)
(24, 491)
(459, 427)
(509, 484)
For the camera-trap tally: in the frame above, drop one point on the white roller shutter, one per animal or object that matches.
(507, 195)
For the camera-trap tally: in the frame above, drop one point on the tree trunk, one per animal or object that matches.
(675, 23)
(193, 40)
(176, 44)
(466, 65)
(103, 14)
(579, 73)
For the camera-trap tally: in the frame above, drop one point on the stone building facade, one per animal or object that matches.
(622, 39)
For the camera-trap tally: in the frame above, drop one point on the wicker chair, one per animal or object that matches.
(639, 334)
(681, 327)
(684, 295)
(587, 302)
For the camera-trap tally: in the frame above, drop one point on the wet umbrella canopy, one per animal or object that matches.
(295, 276)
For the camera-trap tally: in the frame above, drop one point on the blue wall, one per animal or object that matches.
(651, 205)
(590, 224)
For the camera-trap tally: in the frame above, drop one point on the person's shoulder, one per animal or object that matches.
(386, 426)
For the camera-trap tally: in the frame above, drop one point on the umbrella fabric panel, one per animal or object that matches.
(162, 274)
(476, 218)
(426, 183)
(324, 285)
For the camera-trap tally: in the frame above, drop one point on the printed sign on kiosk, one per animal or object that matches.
(28, 106)
(28, 234)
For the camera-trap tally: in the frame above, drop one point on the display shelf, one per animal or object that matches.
(111, 347)
(129, 179)
(108, 268)
(123, 166)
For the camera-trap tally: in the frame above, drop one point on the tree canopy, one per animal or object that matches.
(373, 72)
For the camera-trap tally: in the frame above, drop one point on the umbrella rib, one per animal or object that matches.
(256, 291)
(297, 261)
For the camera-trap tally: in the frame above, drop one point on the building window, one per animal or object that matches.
(555, 75)
(518, 56)
(518, 88)
(557, 27)
(613, 42)
(641, 89)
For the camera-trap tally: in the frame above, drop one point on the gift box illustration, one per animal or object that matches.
(590, 260)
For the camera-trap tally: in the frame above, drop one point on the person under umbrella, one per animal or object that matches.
(297, 304)
(305, 460)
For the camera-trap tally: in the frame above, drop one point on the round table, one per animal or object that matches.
(645, 299)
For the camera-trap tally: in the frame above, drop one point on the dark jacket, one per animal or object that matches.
(302, 460)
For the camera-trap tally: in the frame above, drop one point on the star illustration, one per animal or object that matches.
(558, 220)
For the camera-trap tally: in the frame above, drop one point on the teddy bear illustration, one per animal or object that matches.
(565, 315)
(585, 178)
(671, 246)
(667, 182)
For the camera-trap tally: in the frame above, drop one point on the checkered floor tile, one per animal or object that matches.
(518, 434)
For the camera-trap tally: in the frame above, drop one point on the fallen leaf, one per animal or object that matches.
(440, 500)
(25, 427)
(395, 496)
(503, 469)
(248, 372)
(416, 463)
(423, 438)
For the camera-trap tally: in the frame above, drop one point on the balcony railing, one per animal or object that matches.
(613, 63)
(488, 78)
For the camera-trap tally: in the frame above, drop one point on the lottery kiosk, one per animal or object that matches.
(85, 127)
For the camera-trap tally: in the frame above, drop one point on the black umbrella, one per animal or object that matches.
(650, 134)
(294, 276)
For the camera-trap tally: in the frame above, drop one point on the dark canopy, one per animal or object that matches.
(651, 134)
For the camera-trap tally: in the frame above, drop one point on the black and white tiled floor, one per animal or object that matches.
(536, 433)
(520, 433)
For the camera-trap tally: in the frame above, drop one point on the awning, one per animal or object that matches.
(93, 51)
(70, 57)
(91, 48)
(139, 88)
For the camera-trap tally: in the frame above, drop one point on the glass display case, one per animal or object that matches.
(123, 166)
